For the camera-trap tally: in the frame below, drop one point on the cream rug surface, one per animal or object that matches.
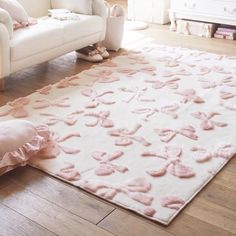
(147, 130)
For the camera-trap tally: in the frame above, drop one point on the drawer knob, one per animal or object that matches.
(230, 11)
(189, 5)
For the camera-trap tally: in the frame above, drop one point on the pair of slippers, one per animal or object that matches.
(92, 54)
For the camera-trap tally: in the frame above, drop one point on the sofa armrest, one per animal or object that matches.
(5, 51)
(100, 9)
(6, 20)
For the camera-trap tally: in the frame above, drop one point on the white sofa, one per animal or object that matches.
(49, 38)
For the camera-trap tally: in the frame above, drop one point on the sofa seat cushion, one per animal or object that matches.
(50, 33)
(35, 39)
(73, 30)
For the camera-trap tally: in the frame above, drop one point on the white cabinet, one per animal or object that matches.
(154, 11)
(215, 11)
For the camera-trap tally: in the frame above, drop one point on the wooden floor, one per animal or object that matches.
(33, 203)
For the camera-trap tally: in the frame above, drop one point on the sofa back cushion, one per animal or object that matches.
(77, 6)
(16, 11)
(36, 8)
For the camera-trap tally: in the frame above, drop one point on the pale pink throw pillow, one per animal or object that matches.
(32, 21)
(19, 141)
(16, 11)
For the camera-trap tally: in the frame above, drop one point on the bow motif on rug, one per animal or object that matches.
(107, 63)
(100, 117)
(96, 99)
(169, 83)
(169, 110)
(138, 60)
(138, 94)
(169, 61)
(69, 119)
(135, 189)
(54, 146)
(69, 172)
(105, 166)
(45, 90)
(225, 151)
(190, 95)
(168, 58)
(178, 72)
(166, 135)
(227, 95)
(131, 52)
(150, 70)
(127, 71)
(102, 76)
(174, 61)
(230, 57)
(231, 107)
(172, 164)
(172, 202)
(68, 82)
(197, 54)
(203, 70)
(221, 70)
(206, 120)
(126, 137)
(17, 108)
(228, 80)
(44, 103)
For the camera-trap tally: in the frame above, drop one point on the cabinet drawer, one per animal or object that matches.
(226, 9)
(189, 5)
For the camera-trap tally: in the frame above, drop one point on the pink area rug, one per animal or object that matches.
(147, 130)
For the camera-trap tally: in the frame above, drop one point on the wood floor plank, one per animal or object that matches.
(227, 179)
(219, 195)
(231, 166)
(122, 224)
(83, 205)
(13, 223)
(186, 225)
(4, 181)
(47, 214)
(133, 225)
(214, 214)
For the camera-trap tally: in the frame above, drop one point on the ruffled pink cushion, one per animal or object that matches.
(19, 141)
